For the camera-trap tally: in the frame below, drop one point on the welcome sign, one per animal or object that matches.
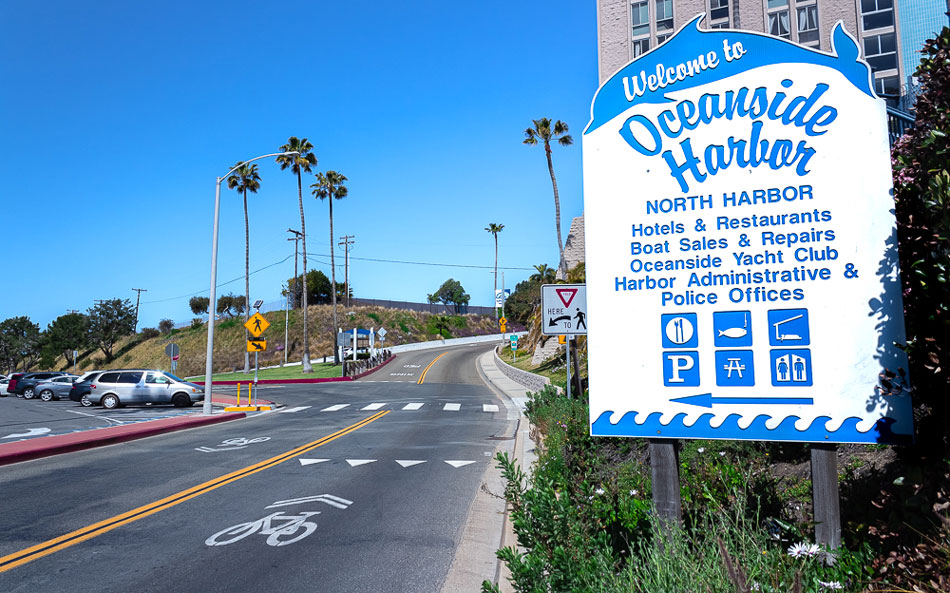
(741, 238)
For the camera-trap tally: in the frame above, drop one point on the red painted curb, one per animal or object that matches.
(78, 441)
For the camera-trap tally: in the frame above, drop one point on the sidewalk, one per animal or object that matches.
(487, 527)
(99, 437)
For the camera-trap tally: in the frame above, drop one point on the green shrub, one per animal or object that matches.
(374, 317)
(149, 333)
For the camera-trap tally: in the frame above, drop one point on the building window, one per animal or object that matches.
(808, 24)
(881, 51)
(661, 38)
(640, 47)
(664, 15)
(640, 12)
(877, 13)
(718, 9)
(888, 86)
(722, 25)
(778, 3)
(778, 24)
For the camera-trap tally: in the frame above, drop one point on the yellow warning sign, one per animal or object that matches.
(562, 339)
(503, 320)
(256, 326)
(257, 345)
(504, 328)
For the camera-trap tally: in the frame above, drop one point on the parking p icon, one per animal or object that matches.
(681, 369)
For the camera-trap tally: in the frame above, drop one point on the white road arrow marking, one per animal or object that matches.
(373, 407)
(489, 408)
(311, 461)
(452, 407)
(408, 462)
(335, 408)
(457, 464)
(413, 406)
(333, 501)
(32, 432)
(355, 462)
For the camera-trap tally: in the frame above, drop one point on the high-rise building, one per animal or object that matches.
(920, 20)
(628, 28)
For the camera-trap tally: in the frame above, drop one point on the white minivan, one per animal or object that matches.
(143, 386)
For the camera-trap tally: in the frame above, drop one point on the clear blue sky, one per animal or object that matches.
(116, 118)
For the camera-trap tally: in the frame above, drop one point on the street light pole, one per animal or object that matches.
(209, 361)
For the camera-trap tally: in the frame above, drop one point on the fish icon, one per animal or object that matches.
(736, 332)
(733, 332)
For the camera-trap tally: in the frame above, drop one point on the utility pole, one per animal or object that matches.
(345, 242)
(296, 240)
(137, 298)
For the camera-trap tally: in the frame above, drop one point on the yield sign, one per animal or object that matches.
(566, 295)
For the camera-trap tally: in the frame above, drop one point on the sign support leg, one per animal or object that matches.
(579, 388)
(824, 480)
(567, 353)
(664, 464)
(256, 354)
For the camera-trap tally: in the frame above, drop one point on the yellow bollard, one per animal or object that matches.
(239, 394)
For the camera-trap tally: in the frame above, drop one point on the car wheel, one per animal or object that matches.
(181, 400)
(46, 395)
(86, 402)
(110, 402)
(28, 393)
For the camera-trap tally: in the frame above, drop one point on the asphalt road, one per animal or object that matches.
(355, 486)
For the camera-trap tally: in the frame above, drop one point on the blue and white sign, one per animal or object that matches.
(742, 246)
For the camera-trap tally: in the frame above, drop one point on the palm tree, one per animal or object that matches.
(330, 186)
(542, 131)
(245, 179)
(494, 229)
(303, 161)
(545, 274)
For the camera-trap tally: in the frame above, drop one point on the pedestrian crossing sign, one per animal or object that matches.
(256, 325)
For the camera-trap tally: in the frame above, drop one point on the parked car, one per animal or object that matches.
(55, 388)
(25, 387)
(112, 389)
(11, 386)
(4, 381)
(81, 388)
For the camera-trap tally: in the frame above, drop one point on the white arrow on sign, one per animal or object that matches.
(33, 432)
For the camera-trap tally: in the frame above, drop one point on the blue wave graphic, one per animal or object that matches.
(757, 431)
(691, 41)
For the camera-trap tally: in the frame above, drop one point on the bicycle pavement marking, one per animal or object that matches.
(72, 538)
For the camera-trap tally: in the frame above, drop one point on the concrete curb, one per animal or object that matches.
(487, 527)
(78, 441)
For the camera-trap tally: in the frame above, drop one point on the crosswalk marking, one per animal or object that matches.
(410, 407)
(297, 409)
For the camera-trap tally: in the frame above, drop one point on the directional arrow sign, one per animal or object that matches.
(555, 321)
(706, 400)
(256, 345)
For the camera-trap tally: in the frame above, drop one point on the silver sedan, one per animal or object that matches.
(55, 388)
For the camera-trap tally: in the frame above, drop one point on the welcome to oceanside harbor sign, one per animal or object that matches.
(741, 238)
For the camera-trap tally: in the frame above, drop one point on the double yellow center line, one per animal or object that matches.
(48, 547)
(422, 377)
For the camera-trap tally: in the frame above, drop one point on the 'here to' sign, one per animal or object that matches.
(742, 242)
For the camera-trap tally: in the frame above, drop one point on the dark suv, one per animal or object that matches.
(26, 383)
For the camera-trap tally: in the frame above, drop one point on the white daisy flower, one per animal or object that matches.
(831, 585)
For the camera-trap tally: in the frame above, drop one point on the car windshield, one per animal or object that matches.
(173, 378)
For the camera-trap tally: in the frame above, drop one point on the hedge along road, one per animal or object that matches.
(375, 502)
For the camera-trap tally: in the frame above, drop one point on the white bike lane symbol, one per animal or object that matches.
(280, 529)
(233, 444)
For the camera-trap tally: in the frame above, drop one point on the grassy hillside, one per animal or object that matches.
(229, 346)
